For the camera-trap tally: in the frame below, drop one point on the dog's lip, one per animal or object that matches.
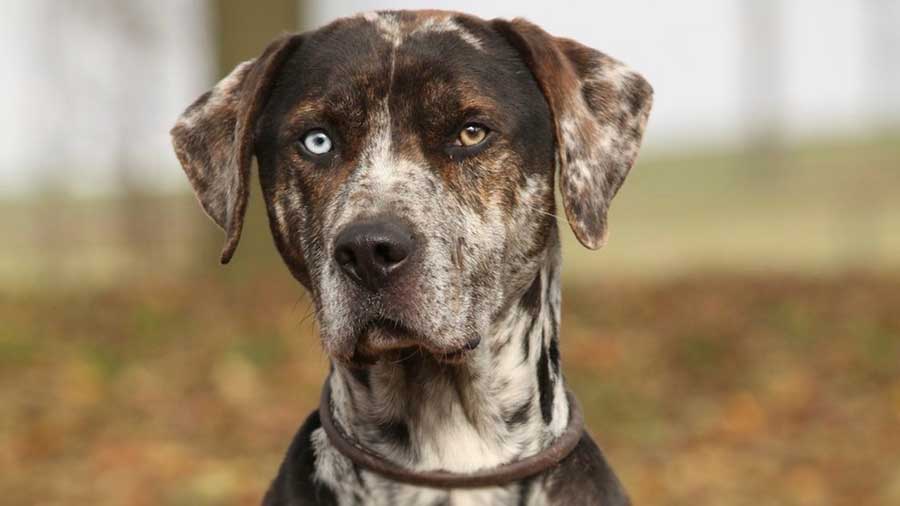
(401, 338)
(459, 355)
(382, 334)
(388, 325)
(454, 357)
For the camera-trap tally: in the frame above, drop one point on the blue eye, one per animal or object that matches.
(317, 142)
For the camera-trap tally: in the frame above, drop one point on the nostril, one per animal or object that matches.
(344, 256)
(383, 253)
(389, 254)
(346, 260)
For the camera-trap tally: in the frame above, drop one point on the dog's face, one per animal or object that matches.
(433, 183)
(407, 161)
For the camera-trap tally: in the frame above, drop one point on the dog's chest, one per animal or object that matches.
(352, 486)
(408, 495)
(377, 492)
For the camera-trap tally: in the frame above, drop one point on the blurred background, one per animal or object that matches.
(736, 343)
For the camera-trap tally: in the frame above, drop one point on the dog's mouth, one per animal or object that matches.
(385, 333)
(386, 337)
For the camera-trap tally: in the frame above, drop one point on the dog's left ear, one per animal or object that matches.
(599, 109)
(214, 141)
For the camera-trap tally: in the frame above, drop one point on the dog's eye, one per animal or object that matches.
(472, 134)
(317, 142)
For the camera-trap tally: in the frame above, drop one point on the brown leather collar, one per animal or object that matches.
(497, 476)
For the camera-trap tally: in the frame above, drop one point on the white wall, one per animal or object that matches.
(87, 89)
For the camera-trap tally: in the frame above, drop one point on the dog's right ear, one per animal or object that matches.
(599, 109)
(214, 141)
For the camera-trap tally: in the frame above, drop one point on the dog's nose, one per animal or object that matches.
(371, 252)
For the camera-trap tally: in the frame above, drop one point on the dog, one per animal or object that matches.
(408, 162)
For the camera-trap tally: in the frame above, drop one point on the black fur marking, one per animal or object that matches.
(395, 432)
(526, 339)
(554, 333)
(525, 491)
(294, 484)
(531, 300)
(361, 375)
(359, 476)
(519, 416)
(554, 353)
(585, 477)
(545, 386)
(531, 303)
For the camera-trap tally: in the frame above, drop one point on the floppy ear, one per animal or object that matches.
(599, 109)
(214, 141)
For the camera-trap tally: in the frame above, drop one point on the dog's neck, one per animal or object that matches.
(506, 402)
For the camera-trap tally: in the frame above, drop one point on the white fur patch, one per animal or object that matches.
(437, 25)
(332, 468)
(387, 24)
(390, 28)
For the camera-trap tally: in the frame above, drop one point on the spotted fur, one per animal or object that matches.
(600, 110)
(392, 89)
(213, 139)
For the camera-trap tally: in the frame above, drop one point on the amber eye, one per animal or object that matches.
(472, 134)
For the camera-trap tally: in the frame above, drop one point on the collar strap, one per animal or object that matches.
(503, 474)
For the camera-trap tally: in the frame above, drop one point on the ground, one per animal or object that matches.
(723, 390)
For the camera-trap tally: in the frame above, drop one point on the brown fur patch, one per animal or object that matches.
(214, 139)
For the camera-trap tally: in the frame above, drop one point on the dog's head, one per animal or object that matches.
(407, 161)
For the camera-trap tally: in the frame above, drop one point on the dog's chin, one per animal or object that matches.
(389, 340)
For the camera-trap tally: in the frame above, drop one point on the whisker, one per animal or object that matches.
(553, 215)
(310, 311)
(412, 353)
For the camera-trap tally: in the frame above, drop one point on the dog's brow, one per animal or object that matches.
(474, 102)
(336, 103)
(307, 108)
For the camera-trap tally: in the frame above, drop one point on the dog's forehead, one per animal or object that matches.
(393, 86)
(397, 27)
(435, 66)
(372, 48)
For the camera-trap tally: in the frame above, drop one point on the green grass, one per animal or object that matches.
(822, 208)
